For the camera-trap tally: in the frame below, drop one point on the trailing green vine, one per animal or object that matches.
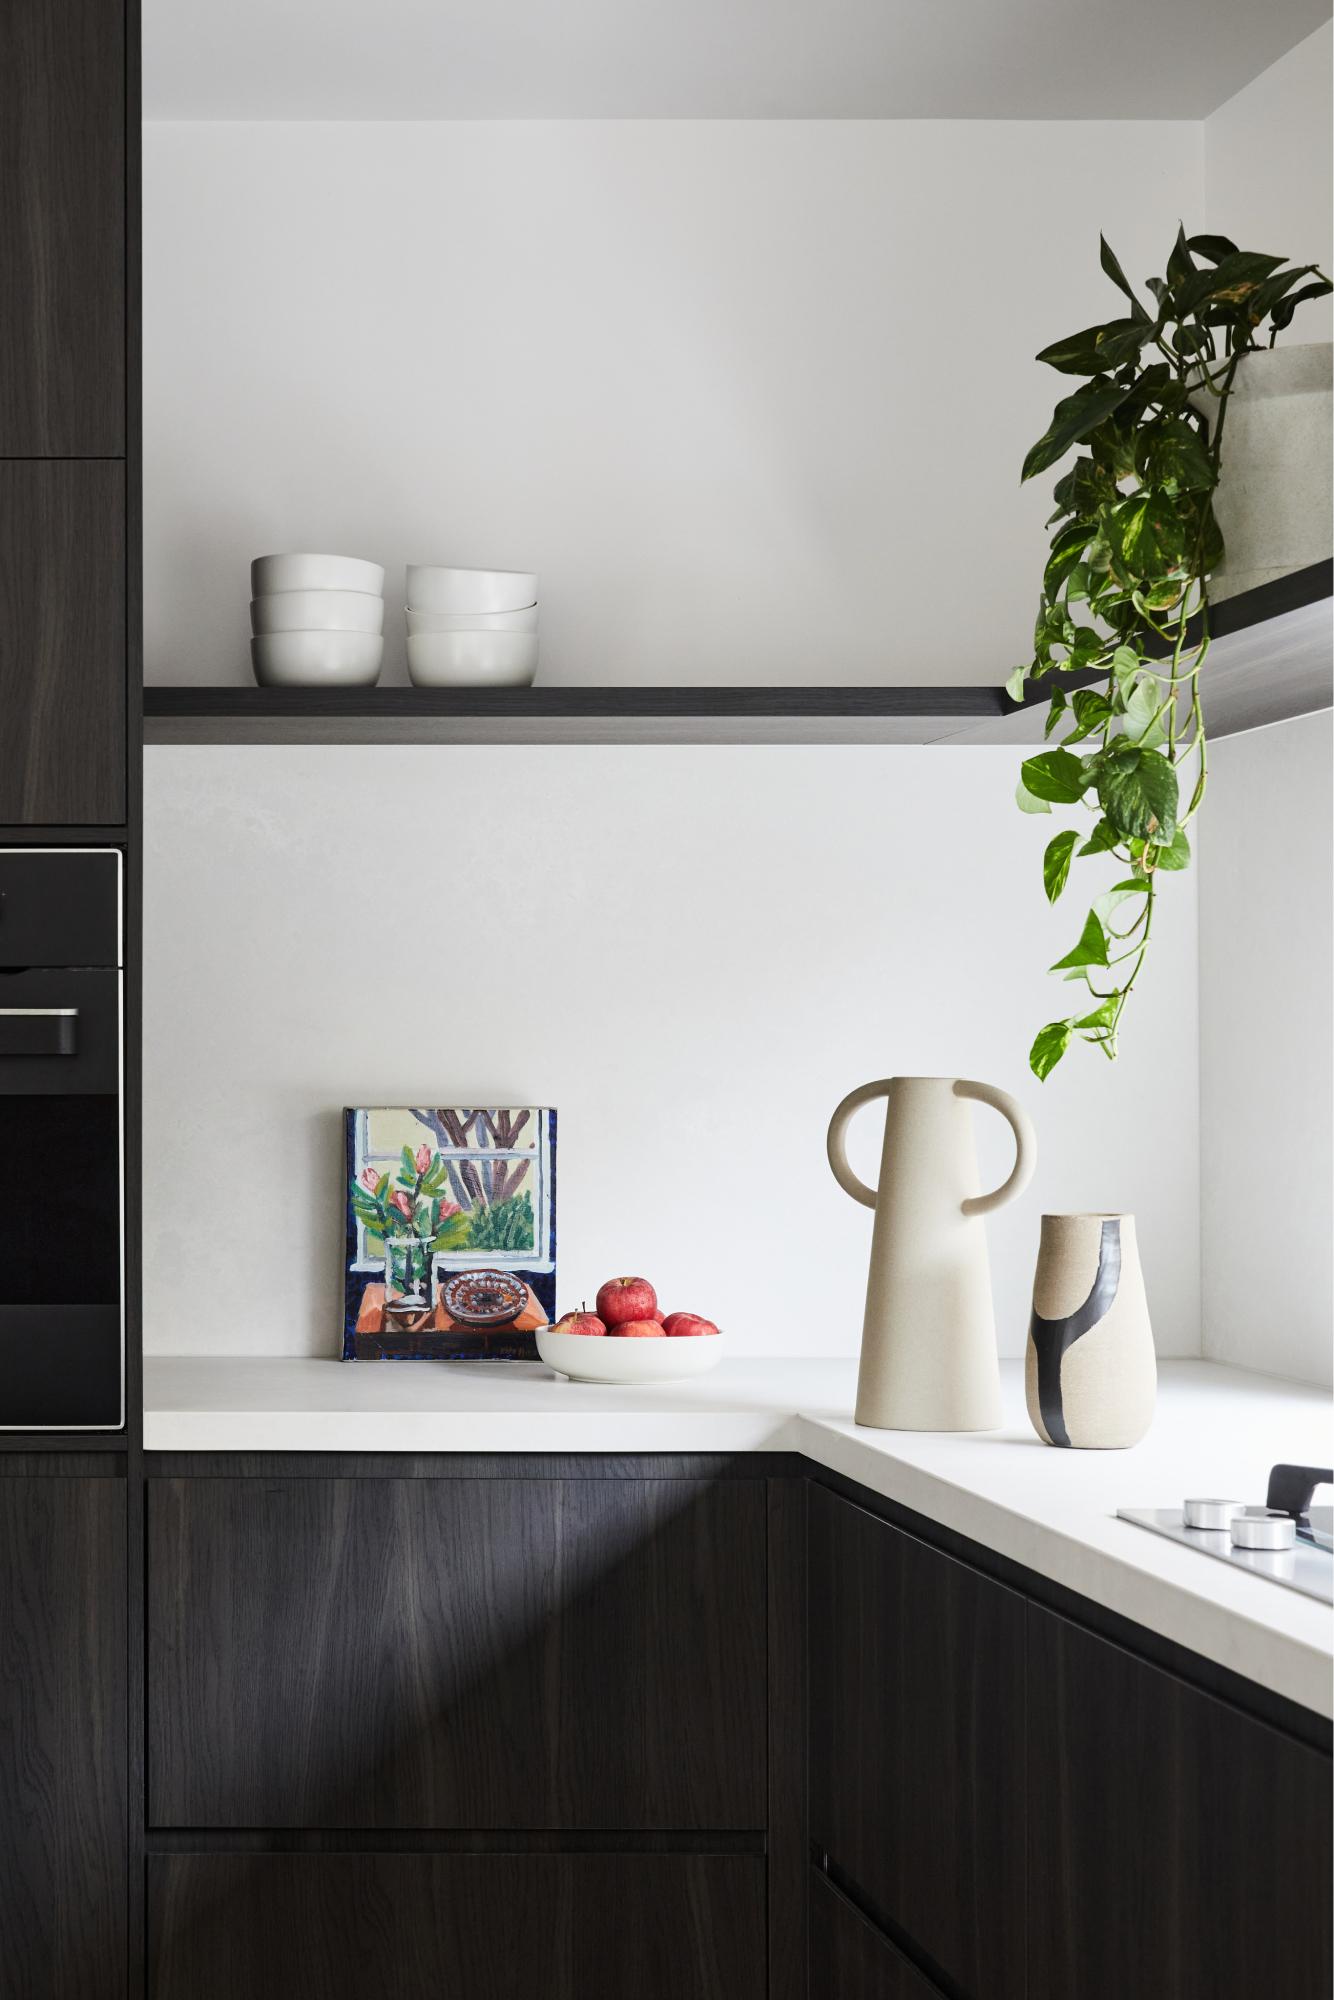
(1125, 594)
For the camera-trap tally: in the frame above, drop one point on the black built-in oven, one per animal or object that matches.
(62, 1251)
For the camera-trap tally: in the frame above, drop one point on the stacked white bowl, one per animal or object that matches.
(318, 621)
(471, 627)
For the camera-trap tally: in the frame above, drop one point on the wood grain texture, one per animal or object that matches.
(850, 1960)
(63, 1861)
(419, 1653)
(789, 1836)
(62, 642)
(1176, 1848)
(62, 228)
(917, 1757)
(470, 1927)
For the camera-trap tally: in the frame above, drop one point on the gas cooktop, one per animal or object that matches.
(1286, 1541)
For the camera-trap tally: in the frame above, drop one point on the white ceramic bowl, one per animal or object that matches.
(472, 621)
(317, 611)
(607, 1358)
(432, 588)
(270, 573)
(317, 659)
(472, 659)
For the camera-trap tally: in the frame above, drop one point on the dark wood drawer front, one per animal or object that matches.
(63, 1866)
(850, 1960)
(456, 1927)
(540, 1653)
(917, 1752)
(62, 643)
(62, 228)
(1178, 1848)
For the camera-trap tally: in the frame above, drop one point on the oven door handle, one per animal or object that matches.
(39, 1031)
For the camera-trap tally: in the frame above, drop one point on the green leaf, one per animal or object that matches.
(1281, 314)
(1072, 420)
(1232, 280)
(1103, 838)
(1027, 802)
(1056, 863)
(1142, 724)
(1049, 1046)
(1066, 549)
(1091, 949)
(1215, 248)
(1176, 854)
(382, 1187)
(409, 1166)
(1055, 775)
(1146, 534)
(1098, 350)
(1180, 265)
(1125, 665)
(1103, 1016)
(1056, 710)
(1107, 258)
(1092, 711)
(1014, 685)
(1172, 455)
(1137, 790)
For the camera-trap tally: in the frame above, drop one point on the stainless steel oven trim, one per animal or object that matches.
(38, 1430)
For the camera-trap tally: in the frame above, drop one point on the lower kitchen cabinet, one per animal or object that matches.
(63, 1796)
(917, 1767)
(1178, 1848)
(849, 1958)
(466, 1926)
(484, 1653)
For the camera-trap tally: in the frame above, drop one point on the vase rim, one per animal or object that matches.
(1089, 1215)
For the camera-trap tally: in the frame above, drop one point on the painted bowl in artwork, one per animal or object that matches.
(483, 1298)
(605, 1358)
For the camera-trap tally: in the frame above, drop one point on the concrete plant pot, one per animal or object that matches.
(1274, 498)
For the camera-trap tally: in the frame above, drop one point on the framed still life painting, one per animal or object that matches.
(451, 1233)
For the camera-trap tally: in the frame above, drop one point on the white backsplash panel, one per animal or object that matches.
(694, 951)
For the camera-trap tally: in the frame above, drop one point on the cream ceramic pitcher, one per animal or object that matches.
(929, 1336)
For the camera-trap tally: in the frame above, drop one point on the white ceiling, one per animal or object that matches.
(440, 59)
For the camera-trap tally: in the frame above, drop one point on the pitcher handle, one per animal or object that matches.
(837, 1149)
(1025, 1145)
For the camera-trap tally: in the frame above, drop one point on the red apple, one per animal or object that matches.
(638, 1329)
(677, 1325)
(622, 1299)
(661, 1318)
(580, 1322)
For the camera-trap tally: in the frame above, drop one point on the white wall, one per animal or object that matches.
(1269, 174)
(697, 952)
(752, 397)
(1267, 1102)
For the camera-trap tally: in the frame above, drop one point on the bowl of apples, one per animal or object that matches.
(628, 1339)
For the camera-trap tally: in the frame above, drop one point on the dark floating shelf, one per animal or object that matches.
(1270, 659)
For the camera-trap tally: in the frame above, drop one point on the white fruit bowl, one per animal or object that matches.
(471, 621)
(317, 659)
(472, 659)
(431, 587)
(608, 1358)
(317, 611)
(270, 573)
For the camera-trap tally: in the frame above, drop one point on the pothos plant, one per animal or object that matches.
(1124, 610)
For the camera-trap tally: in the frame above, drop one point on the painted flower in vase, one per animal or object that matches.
(412, 1216)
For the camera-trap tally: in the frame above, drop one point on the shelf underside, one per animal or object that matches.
(1270, 659)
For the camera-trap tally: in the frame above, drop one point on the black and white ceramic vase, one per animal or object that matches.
(1089, 1372)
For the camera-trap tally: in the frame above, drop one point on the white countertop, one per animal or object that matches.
(1217, 1431)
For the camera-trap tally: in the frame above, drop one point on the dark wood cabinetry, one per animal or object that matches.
(62, 228)
(850, 1960)
(473, 1927)
(1176, 1847)
(62, 642)
(918, 1781)
(576, 1653)
(63, 1860)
